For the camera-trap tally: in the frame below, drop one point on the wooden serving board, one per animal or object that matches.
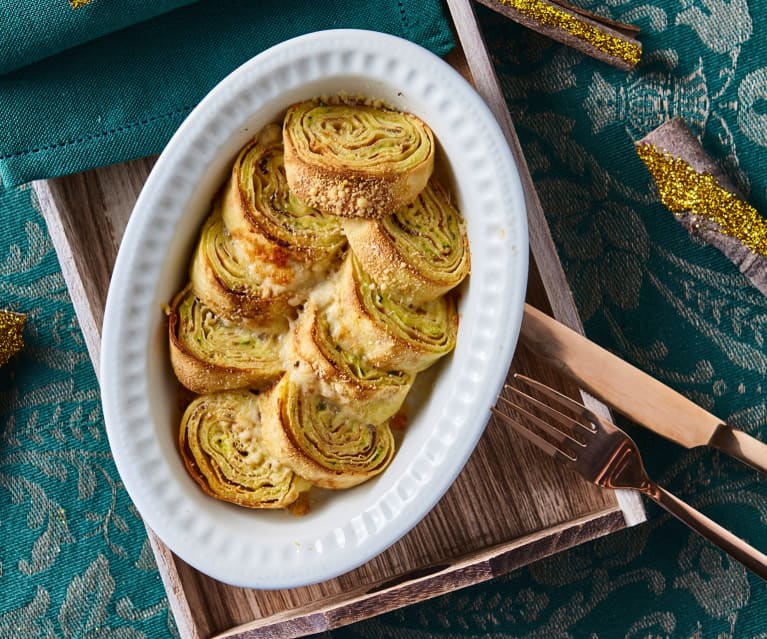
(509, 506)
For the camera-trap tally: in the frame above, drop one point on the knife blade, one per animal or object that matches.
(635, 394)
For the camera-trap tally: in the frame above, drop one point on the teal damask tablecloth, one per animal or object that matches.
(74, 560)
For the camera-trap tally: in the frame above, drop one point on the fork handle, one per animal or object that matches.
(733, 545)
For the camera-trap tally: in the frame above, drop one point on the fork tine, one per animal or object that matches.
(533, 437)
(561, 436)
(558, 397)
(557, 416)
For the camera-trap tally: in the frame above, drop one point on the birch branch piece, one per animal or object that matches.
(607, 40)
(704, 199)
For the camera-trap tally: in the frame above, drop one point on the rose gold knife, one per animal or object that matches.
(634, 393)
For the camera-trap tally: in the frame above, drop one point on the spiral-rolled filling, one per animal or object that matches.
(221, 444)
(429, 327)
(337, 439)
(263, 214)
(343, 375)
(388, 333)
(359, 138)
(320, 440)
(229, 344)
(356, 160)
(210, 353)
(233, 286)
(418, 253)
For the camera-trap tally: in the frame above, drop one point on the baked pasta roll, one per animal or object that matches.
(356, 160)
(267, 221)
(233, 287)
(320, 440)
(343, 375)
(209, 353)
(221, 444)
(389, 334)
(418, 253)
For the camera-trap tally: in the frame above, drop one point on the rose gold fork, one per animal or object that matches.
(605, 455)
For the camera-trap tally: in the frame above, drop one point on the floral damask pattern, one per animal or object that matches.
(75, 561)
(644, 289)
(752, 93)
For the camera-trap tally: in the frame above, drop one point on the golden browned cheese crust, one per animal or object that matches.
(356, 160)
(417, 254)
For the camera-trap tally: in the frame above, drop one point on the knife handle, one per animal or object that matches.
(740, 446)
(733, 545)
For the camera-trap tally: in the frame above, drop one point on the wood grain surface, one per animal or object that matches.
(509, 506)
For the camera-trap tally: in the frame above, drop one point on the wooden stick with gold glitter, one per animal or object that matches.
(704, 200)
(604, 39)
(11, 334)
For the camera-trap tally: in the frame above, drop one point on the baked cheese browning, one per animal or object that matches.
(417, 254)
(389, 334)
(356, 160)
(267, 221)
(227, 284)
(331, 331)
(342, 375)
(320, 440)
(221, 444)
(210, 353)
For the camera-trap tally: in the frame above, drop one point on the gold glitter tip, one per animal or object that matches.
(76, 4)
(576, 29)
(682, 189)
(11, 334)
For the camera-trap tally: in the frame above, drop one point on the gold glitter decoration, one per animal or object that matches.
(683, 189)
(76, 4)
(11, 334)
(552, 16)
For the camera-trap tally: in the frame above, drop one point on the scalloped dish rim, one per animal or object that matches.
(343, 530)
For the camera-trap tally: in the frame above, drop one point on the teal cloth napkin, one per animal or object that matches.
(35, 30)
(122, 96)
